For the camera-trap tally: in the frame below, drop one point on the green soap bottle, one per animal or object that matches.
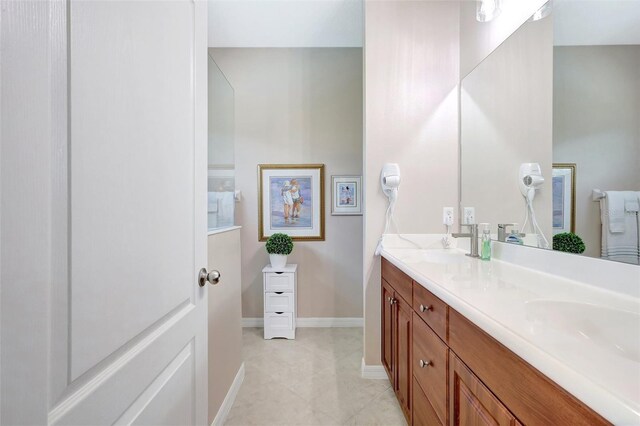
(485, 253)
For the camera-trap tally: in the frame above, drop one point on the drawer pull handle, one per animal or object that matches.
(424, 364)
(279, 273)
(279, 313)
(279, 292)
(426, 308)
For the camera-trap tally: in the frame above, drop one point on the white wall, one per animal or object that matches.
(285, 23)
(506, 120)
(299, 106)
(225, 316)
(596, 111)
(596, 22)
(411, 77)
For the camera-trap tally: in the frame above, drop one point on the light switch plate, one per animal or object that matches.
(469, 215)
(447, 216)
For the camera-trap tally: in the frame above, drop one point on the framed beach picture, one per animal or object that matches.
(291, 201)
(564, 197)
(346, 195)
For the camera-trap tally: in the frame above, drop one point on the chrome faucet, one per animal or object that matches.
(473, 236)
(502, 231)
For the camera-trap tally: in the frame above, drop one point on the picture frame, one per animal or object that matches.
(291, 201)
(564, 197)
(346, 195)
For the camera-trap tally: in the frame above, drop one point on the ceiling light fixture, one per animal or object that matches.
(543, 12)
(486, 10)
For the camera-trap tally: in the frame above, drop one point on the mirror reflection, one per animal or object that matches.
(550, 132)
(221, 170)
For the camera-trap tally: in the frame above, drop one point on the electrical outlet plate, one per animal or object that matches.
(447, 215)
(469, 215)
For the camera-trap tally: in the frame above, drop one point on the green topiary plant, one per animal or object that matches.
(279, 244)
(568, 242)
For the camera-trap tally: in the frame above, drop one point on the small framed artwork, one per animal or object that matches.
(291, 201)
(564, 197)
(346, 195)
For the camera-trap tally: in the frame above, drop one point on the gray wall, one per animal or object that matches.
(301, 105)
(596, 124)
(225, 317)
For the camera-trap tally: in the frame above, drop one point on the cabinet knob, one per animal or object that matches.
(426, 308)
(424, 364)
(393, 301)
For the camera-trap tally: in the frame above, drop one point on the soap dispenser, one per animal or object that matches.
(485, 252)
(514, 236)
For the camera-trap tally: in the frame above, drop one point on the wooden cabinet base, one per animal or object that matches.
(423, 412)
(530, 395)
(471, 402)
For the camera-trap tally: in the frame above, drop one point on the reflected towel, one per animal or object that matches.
(621, 246)
(613, 213)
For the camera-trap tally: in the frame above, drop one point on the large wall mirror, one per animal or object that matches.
(550, 130)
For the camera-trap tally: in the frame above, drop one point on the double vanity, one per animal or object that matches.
(473, 342)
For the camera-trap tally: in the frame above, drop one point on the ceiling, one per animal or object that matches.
(596, 22)
(285, 23)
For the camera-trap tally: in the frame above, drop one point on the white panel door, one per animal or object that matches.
(105, 157)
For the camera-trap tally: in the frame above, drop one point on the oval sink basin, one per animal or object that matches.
(614, 330)
(440, 256)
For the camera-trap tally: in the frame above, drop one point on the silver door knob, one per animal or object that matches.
(426, 308)
(212, 277)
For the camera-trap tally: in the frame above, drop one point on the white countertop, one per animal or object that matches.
(566, 329)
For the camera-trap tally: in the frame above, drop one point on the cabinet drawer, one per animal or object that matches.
(276, 321)
(279, 302)
(431, 309)
(430, 366)
(400, 281)
(423, 412)
(274, 281)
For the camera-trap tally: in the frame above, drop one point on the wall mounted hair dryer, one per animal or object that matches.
(530, 179)
(390, 180)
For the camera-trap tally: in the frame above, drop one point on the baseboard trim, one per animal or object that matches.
(252, 322)
(310, 322)
(225, 408)
(376, 372)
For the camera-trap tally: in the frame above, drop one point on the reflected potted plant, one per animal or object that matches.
(279, 246)
(568, 242)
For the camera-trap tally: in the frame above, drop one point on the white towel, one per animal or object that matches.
(614, 213)
(621, 246)
(212, 202)
(631, 202)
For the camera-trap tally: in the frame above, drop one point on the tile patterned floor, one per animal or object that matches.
(313, 380)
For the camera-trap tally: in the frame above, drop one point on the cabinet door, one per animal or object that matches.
(404, 315)
(423, 412)
(471, 403)
(387, 329)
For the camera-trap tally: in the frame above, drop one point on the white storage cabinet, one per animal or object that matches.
(280, 305)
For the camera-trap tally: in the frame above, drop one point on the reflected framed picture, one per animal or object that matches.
(564, 197)
(346, 195)
(291, 201)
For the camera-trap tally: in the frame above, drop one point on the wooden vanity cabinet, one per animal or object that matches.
(397, 319)
(472, 403)
(447, 371)
(387, 329)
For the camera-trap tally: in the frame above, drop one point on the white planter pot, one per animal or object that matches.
(278, 261)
